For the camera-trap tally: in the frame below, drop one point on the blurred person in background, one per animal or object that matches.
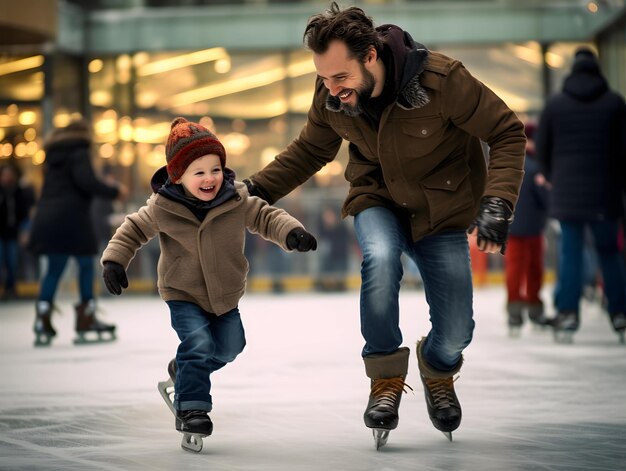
(200, 215)
(581, 146)
(524, 257)
(334, 250)
(16, 202)
(418, 180)
(63, 227)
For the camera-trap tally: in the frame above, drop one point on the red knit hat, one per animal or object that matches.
(187, 142)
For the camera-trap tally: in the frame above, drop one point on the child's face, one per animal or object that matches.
(203, 178)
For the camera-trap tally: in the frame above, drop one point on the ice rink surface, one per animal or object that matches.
(294, 399)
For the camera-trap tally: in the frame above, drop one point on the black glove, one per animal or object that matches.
(492, 221)
(256, 190)
(114, 277)
(300, 240)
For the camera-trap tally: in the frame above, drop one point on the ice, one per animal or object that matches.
(294, 399)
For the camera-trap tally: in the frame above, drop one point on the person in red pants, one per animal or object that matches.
(524, 257)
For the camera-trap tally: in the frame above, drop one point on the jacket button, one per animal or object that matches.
(448, 182)
(403, 204)
(424, 132)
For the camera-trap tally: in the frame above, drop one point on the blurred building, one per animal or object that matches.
(131, 66)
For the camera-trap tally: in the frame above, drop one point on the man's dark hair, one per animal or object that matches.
(352, 26)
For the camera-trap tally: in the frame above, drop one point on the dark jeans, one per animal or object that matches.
(56, 266)
(570, 281)
(207, 343)
(444, 263)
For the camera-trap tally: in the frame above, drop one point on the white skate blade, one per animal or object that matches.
(192, 442)
(166, 389)
(380, 437)
(83, 339)
(448, 435)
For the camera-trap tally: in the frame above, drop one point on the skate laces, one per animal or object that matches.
(385, 390)
(442, 391)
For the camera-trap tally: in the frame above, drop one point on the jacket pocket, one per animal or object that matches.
(419, 137)
(448, 192)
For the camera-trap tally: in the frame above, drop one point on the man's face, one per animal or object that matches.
(346, 78)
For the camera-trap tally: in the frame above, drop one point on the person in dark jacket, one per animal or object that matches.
(581, 146)
(524, 257)
(63, 228)
(418, 177)
(16, 202)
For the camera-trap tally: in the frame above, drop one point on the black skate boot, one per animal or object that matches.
(387, 373)
(514, 311)
(564, 325)
(442, 403)
(171, 369)
(618, 321)
(86, 322)
(43, 325)
(537, 315)
(194, 421)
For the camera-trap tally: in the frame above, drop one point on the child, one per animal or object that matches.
(200, 214)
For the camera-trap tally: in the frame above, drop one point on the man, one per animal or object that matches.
(418, 179)
(581, 146)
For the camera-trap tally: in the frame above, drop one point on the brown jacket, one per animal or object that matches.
(201, 261)
(425, 158)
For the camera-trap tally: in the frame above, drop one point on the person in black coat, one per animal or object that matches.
(15, 204)
(63, 226)
(581, 146)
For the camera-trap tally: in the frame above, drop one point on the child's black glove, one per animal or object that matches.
(114, 277)
(300, 240)
(492, 222)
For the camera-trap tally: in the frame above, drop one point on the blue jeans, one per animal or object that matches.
(207, 343)
(444, 263)
(9, 252)
(56, 266)
(605, 234)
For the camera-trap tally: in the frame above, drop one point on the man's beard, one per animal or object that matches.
(363, 94)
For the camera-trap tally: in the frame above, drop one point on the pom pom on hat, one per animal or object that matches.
(187, 142)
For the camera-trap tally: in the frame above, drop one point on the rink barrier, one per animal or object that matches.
(286, 284)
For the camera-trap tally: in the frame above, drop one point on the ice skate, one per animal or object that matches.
(86, 323)
(618, 321)
(191, 441)
(537, 316)
(442, 402)
(44, 332)
(564, 325)
(387, 373)
(514, 318)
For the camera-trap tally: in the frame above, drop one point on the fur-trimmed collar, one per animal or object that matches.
(411, 97)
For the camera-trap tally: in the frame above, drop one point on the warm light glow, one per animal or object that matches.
(7, 149)
(21, 65)
(127, 155)
(30, 134)
(222, 66)
(268, 154)
(101, 98)
(2, 134)
(95, 66)
(39, 157)
(106, 151)
(592, 7)
(241, 84)
(554, 60)
(183, 60)
(235, 143)
(20, 150)
(27, 118)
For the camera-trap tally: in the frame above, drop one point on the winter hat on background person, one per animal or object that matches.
(187, 142)
(585, 60)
